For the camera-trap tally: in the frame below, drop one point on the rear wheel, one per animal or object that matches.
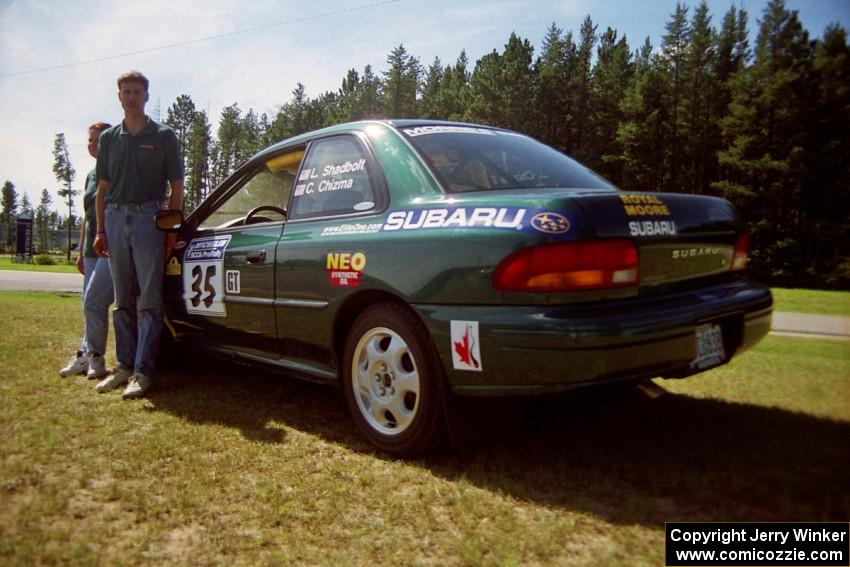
(392, 380)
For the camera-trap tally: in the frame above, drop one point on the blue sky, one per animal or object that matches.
(315, 43)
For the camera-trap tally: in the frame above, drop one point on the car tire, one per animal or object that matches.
(393, 380)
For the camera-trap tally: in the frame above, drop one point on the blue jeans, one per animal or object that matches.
(137, 259)
(98, 294)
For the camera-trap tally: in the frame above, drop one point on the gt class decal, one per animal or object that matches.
(203, 276)
(234, 282)
(466, 346)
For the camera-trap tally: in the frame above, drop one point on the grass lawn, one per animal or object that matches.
(226, 465)
(60, 266)
(812, 301)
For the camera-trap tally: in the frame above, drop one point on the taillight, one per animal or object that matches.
(742, 252)
(569, 266)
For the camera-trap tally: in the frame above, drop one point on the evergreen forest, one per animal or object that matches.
(763, 122)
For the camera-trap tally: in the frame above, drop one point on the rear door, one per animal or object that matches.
(322, 257)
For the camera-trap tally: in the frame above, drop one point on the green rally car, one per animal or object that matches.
(409, 261)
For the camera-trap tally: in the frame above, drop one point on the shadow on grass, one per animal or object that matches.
(619, 456)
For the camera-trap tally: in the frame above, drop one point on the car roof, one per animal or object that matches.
(395, 123)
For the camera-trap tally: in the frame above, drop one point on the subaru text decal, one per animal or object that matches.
(504, 218)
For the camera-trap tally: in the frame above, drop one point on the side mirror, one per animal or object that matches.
(169, 220)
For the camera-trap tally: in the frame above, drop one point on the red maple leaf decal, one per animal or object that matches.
(464, 349)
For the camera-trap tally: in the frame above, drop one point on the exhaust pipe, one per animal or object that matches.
(651, 390)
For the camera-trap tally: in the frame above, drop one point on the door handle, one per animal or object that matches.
(257, 257)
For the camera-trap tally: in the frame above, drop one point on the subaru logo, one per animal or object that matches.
(550, 223)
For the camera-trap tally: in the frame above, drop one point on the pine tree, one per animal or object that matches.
(197, 161)
(518, 85)
(731, 53)
(453, 96)
(645, 131)
(766, 162)
(429, 105)
(674, 47)
(828, 188)
(579, 89)
(64, 172)
(401, 84)
(227, 147)
(42, 222)
(552, 102)
(348, 106)
(320, 111)
(180, 117)
(699, 124)
(369, 99)
(485, 91)
(26, 206)
(296, 110)
(251, 135)
(9, 203)
(611, 77)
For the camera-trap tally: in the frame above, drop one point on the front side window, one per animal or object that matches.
(335, 179)
(470, 158)
(269, 187)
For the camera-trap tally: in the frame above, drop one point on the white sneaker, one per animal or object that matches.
(77, 364)
(97, 367)
(118, 378)
(139, 384)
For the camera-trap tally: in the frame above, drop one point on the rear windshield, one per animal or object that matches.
(480, 159)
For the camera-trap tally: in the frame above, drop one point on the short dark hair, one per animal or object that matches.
(133, 77)
(100, 126)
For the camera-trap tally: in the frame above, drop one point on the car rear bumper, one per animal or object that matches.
(527, 350)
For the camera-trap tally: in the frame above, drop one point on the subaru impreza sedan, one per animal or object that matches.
(410, 262)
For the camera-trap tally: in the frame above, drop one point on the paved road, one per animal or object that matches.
(794, 324)
(11, 280)
(804, 324)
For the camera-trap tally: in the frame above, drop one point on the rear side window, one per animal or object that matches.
(334, 179)
(469, 158)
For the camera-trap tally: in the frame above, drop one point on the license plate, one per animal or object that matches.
(709, 347)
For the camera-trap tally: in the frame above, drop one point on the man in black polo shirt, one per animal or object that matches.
(136, 162)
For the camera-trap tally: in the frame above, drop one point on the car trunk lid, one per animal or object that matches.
(679, 237)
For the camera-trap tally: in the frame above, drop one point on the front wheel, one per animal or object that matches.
(392, 381)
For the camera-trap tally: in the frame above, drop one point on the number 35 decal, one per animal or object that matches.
(197, 277)
(203, 284)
